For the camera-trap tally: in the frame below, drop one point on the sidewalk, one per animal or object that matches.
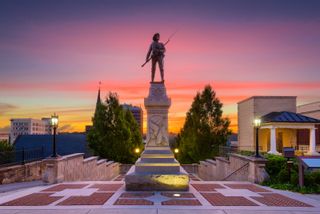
(111, 197)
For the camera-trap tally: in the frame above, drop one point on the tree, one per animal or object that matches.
(204, 129)
(114, 134)
(5, 146)
(6, 152)
(136, 138)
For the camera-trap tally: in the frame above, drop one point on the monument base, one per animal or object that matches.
(156, 182)
(157, 169)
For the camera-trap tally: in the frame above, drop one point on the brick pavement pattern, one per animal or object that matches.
(136, 194)
(107, 187)
(207, 187)
(217, 199)
(122, 201)
(181, 202)
(193, 178)
(274, 199)
(94, 199)
(35, 199)
(61, 187)
(250, 187)
(181, 195)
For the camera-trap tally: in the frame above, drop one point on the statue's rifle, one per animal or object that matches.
(164, 45)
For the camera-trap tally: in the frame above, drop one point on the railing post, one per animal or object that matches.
(23, 158)
(42, 152)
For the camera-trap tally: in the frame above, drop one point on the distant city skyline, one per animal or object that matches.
(54, 53)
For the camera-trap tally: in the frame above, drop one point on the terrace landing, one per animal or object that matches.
(111, 197)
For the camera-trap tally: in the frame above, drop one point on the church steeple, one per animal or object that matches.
(98, 97)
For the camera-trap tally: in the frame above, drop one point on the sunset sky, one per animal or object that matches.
(54, 53)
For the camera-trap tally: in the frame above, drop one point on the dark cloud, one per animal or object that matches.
(5, 107)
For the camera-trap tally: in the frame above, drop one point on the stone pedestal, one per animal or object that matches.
(157, 169)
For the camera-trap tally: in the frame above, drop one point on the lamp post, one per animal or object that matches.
(257, 124)
(54, 124)
(137, 150)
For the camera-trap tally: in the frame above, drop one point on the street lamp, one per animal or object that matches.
(137, 150)
(176, 150)
(54, 124)
(257, 124)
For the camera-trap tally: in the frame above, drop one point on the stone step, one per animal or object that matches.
(159, 152)
(158, 169)
(143, 155)
(157, 160)
(171, 167)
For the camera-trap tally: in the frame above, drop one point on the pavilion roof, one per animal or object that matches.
(287, 117)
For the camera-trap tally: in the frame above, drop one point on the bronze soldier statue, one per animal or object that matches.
(156, 50)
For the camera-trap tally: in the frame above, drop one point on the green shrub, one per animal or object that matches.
(275, 165)
(279, 176)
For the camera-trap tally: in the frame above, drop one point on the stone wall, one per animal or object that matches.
(237, 168)
(191, 168)
(66, 168)
(21, 173)
(75, 168)
(124, 168)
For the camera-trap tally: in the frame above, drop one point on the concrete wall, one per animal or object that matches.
(258, 106)
(191, 168)
(21, 173)
(75, 168)
(124, 168)
(245, 128)
(237, 168)
(310, 110)
(66, 168)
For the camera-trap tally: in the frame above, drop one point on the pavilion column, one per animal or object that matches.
(273, 141)
(312, 142)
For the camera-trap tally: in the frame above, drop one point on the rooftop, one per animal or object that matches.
(287, 117)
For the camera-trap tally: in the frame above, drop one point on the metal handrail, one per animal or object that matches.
(235, 171)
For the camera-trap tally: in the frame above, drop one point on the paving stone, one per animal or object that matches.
(194, 178)
(250, 187)
(217, 199)
(107, 187)
(136, 194)
(94, 199)
(275, 199)
(52, 211)
(178, 195)
(190, 211)
(181, 202)
(35, 199)
(246, 211)
(122, 201)
(207, 187)
(61, 187)
(123, 210)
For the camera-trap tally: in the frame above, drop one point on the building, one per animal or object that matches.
(310, 110)
(137, 113)
(280, 124)
(65, 144)
(29, 126)
(4, 136)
